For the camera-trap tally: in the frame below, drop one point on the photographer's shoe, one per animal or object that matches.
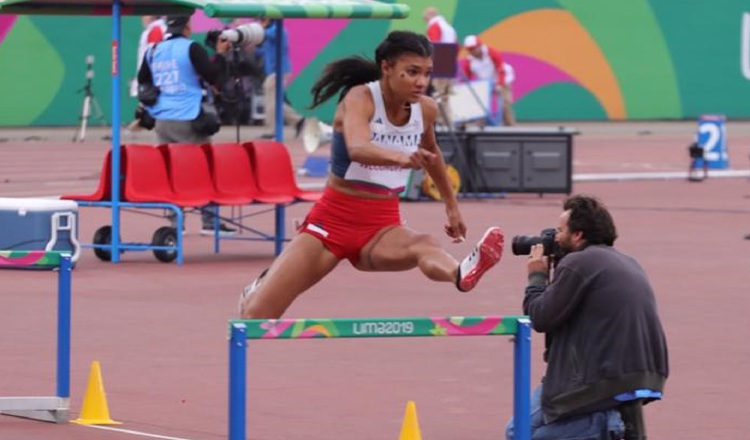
(486, 254)
(249, 290)
(224, 230)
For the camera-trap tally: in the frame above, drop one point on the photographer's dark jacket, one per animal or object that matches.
(600, 314)
(177, 66)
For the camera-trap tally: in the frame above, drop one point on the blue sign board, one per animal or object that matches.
(712, 137)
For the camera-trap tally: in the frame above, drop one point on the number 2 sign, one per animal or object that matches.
(712, 138)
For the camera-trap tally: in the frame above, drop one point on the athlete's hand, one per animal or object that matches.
(418, 159)
(456, 228)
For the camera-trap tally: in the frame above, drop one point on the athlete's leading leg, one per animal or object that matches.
(400, 248)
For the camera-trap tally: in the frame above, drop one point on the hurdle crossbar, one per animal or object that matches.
(240, 331)
(52, 408)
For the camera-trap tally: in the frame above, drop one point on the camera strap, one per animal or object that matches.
(150, 54)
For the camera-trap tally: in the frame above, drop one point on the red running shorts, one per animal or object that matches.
(346, 223)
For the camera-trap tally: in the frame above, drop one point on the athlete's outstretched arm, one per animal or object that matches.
(436, 169)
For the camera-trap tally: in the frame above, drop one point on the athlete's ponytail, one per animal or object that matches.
(343, 74)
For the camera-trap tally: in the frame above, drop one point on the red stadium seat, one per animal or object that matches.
(104, 190)
(274, 171)
(147, 179)
(190, 175)
(233, 175)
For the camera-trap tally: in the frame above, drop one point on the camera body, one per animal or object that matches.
(521, 244)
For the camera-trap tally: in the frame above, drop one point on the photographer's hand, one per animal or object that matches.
(538, 262)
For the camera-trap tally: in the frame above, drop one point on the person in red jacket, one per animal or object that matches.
(486, 63)
(154, 28)
(440, 31)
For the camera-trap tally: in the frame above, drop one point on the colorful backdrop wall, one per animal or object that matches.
(574, 59)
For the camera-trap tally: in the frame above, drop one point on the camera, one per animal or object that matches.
(522, 244)
(249, 34)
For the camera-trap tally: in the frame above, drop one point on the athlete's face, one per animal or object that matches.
(409, 76)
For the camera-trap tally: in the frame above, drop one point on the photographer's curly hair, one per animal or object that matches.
(343, 74)
(589, 216)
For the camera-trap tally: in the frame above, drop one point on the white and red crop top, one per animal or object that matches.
(383, 179)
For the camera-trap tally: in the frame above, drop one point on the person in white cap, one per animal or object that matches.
(486, 63)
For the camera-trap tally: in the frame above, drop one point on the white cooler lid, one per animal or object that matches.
(35, 204)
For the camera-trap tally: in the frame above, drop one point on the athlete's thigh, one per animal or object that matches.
(392, 249)
(303, 263)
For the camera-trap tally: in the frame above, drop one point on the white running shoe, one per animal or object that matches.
(486, 254)
(249, 290)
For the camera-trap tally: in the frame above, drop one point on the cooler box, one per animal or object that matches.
(28, 224)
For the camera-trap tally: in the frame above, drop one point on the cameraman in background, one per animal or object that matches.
(242, 71)
(606, 352)
(177, 68)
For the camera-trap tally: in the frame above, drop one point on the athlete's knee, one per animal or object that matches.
(255, 308)
(423, 242)
(251, 307)
(423, 245)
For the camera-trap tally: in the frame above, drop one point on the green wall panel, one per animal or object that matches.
(575, 59)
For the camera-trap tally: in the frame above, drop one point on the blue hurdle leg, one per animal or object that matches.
(237, 382)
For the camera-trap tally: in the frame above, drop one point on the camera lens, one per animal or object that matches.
(521, 244)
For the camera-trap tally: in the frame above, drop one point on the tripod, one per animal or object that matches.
(239, 89)
(89, 102)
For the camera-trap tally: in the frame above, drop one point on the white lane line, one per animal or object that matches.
(140, 433)
(656, 175)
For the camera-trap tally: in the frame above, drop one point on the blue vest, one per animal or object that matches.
(179, 84)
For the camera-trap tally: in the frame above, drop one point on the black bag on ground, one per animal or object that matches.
(207, 122)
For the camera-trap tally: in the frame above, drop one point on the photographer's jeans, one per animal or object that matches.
(602, 425)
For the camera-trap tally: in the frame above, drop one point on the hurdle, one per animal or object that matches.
(55, 408)
(518, 327)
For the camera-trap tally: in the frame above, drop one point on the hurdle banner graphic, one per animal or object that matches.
(393, 327)
(35, 259)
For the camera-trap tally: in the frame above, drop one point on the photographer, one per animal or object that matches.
(176, 68)
(606, 352)
(242, 73)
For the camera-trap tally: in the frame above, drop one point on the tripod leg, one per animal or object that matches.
(85, 116)
(80, 134)
(98, 113)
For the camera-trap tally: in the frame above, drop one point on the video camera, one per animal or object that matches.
(249, 34)
(521, 244)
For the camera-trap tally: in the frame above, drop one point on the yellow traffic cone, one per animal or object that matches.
(410, 427)
(95, 410)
